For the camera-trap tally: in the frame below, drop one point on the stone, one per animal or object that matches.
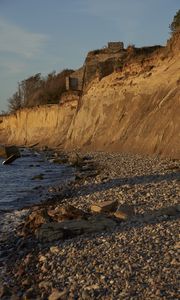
(4, 291)
(85, 295)
(74, 159)
(178, 207)
(45, 285)
(15, 297)
(70, 228)
(20, 271)
(66, 212)
(29, 294)
(170, 211)
(57, 295)
(106, 206)
(6, 151)
(49, 232)
(177, 246)
(54, 249)
(92, 287)
(34, 220)
(59, 160)
(124, 212)
(38, 177)
(42, 258)
(26, 282)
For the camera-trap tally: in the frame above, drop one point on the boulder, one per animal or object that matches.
(39, 216)
(34, 220)
(124, 212)
(7, 151)
(66, 212)
(54, 231)
(106, 206)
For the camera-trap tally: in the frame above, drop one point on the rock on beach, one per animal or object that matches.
(135, 257)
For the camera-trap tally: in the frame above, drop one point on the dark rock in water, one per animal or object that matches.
(7, 151)
(39, 177)
(10, 159)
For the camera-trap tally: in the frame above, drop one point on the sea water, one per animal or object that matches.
(28, 178)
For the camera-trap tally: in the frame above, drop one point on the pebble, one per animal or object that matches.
(57, 295)
(136, 260)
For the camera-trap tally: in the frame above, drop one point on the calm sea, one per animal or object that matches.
(28, 178)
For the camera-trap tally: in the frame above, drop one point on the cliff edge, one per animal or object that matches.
(135, 109)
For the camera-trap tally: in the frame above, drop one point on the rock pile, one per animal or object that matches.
(64, 221)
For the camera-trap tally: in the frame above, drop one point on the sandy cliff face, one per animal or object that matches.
(47, 125)
(136, 109)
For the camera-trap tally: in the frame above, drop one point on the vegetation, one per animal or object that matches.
(175, 25)
(38, 90)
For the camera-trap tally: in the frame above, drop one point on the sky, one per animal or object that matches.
(41, 36)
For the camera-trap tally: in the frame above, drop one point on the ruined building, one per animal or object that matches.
(99, 63)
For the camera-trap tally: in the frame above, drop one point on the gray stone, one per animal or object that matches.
(71, 228)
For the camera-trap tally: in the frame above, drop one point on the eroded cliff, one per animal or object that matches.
(46, 125)
(135, 109)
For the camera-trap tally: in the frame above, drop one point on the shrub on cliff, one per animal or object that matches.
(14, 102)
(175, 25)
(38, 90)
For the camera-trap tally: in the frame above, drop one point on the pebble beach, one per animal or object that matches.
(137, 259)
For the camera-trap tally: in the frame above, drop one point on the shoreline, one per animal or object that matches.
(128, 261)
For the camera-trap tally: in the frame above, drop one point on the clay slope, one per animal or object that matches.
(137, 110)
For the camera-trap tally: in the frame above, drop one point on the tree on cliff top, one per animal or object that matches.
(38, 90)
(175, 25)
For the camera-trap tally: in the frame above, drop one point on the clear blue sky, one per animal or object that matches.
(39, 36)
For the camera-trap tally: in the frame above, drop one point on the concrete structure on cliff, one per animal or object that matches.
(99, 63)
(115, 46)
